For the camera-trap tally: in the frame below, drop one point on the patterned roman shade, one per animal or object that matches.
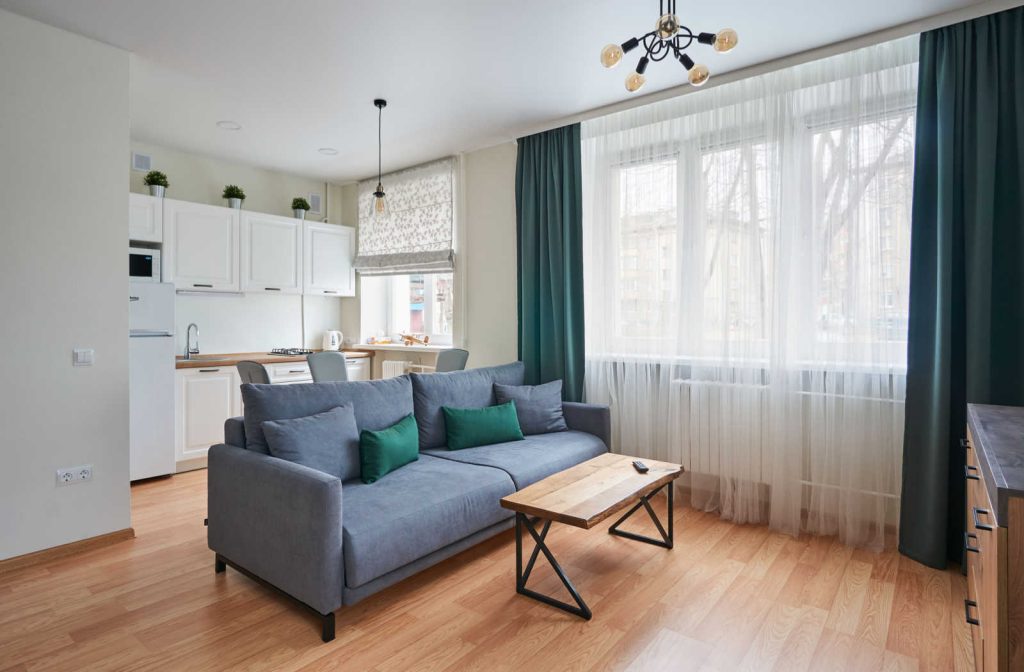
(416, 235)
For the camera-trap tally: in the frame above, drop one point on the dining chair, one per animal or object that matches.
(253, 372)
(328, 367)
(451, 360)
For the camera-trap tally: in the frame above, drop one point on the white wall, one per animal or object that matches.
(489, 260)
(254, 322)
(63, 284)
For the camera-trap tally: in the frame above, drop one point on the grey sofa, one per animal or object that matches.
(327, 543)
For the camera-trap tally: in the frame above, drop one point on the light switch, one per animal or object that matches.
(84, 357)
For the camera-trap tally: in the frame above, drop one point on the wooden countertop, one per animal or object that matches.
(230, 359)
(998, 433)
(398, 347)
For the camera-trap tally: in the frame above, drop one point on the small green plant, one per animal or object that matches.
(233, 191)
(155, 178)
(300, 204)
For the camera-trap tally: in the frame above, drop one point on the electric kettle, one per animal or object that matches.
(332, 340)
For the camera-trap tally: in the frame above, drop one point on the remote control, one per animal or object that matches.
(640, 466)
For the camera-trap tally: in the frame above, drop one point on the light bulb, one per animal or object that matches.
(611, 55)
(634, 81)
(726, 40)
(667, 26)
(379, 205)
(699, 74)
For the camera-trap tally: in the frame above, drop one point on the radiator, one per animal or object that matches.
(392, 368)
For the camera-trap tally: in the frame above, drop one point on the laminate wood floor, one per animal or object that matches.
(729, 597)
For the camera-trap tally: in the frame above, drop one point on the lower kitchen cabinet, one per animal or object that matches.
(204, 399)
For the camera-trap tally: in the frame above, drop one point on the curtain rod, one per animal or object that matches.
(869, 39)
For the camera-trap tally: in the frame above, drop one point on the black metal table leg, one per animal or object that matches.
(666, 536)
(580, 609)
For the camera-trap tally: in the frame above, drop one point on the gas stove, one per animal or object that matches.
(290, 352)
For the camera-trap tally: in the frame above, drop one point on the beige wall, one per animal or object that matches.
(254, 322)
(64, 279)
(490, 327)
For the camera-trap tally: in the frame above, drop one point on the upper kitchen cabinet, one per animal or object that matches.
(271, 254)
(329, 251)
(201, 247)
(145, 218)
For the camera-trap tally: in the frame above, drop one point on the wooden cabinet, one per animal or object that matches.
(201, 247)
(994, 537)
(204, 399)
(329, 252)
(145, 218)
(271, 254)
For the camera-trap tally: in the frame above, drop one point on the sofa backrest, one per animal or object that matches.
(377, 404)
(473, 388)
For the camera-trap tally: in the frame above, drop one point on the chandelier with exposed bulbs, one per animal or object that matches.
(668, 37)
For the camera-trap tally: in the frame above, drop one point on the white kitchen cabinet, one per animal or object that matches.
(145, 218)
(358, 369)
(271, 254)
(328, 253)
(204, 399)
(201, 247)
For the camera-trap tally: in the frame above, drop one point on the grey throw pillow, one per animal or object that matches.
(539, 407)
(327, 442)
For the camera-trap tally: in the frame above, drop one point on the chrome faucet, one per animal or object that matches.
(189, 348)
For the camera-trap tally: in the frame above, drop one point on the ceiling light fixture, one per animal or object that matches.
(379, 207)
(328, 151)
(668, 37)
(229, 125)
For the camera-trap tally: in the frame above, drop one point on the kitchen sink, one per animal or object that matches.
(205, 358)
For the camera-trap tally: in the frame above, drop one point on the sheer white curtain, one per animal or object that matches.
(746, 260)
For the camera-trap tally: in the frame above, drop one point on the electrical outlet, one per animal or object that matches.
(73, 475)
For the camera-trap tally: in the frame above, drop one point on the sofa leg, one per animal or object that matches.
(218, 565)
(327, 633)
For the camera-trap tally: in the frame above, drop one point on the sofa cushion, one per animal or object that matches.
(385, 450)
(473, 388)
(327, 442)
(539, 407)
(532, 459)
(469, 427)
(377, 404)
(422, 507)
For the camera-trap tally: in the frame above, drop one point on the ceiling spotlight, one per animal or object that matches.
(328, 151)
(229, 125)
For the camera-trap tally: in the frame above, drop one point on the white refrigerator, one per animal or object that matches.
(151, 378)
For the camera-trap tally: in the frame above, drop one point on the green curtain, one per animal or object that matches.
(549, 225)
(966, 330)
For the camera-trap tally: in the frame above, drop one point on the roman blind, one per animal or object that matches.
(416, 235)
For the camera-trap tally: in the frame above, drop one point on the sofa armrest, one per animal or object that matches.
(280, 521)
(593, 419)
(234, 432)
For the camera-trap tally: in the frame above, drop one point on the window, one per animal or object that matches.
(422, 303)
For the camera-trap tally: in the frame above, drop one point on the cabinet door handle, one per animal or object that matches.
(967, 612)
(272, 289)
(199, 284)
(971, 472)
(330, 291)
(132, 298)
(967, 543)
(209, 370)
(296, 371)
(981, 512)
(965, 444)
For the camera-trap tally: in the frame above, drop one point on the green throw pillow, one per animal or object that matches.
(385, 450)
(469, 427)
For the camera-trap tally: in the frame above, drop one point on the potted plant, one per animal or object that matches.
(157, 182)
(299, 207)
(235, 196)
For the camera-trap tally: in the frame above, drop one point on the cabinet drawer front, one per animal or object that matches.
(289, 372)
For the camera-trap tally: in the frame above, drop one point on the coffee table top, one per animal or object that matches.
(588, 493)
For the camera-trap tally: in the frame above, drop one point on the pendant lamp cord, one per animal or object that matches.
(380, 114)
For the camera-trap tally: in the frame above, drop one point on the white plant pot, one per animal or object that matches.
(235, 203)
(299, 213)
(156, 190)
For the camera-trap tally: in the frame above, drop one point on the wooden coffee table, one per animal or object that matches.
(583, 496)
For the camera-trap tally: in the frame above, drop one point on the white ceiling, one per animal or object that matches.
(458, 74)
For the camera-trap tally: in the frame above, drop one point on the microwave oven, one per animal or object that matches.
(143, 264)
